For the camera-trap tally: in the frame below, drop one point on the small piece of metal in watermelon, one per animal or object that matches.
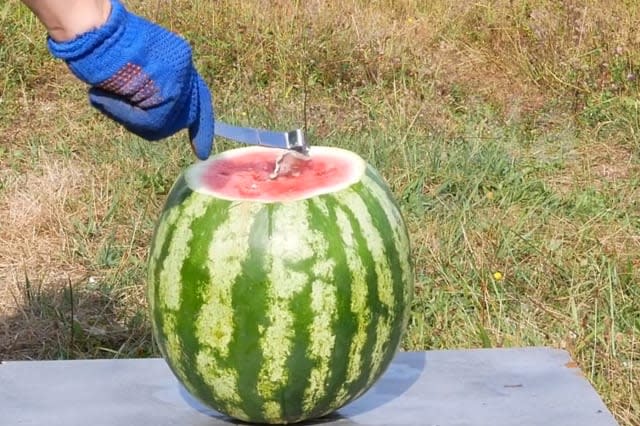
(288, 164)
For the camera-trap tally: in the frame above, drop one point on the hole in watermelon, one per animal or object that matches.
(247, 174)
(289, 164)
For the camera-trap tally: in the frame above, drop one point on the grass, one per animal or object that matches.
(509, 132)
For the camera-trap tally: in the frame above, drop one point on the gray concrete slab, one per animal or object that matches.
(526, 386)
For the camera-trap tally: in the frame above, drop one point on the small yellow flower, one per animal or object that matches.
(497, 275)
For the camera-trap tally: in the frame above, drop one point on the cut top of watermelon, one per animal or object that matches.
(247, 174)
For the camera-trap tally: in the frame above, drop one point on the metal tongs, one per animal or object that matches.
(292, 140)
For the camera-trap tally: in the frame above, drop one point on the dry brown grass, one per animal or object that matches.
(36, 213)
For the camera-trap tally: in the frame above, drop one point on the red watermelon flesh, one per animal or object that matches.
(248, 174)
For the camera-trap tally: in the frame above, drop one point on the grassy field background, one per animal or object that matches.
(508, 130)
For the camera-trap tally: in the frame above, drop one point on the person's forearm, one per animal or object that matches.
(65, 19)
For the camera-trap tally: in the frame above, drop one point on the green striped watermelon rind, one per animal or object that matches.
(280, 312)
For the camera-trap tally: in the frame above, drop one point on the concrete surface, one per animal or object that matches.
(526, 386)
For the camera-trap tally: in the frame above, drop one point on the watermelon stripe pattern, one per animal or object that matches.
(285, 311)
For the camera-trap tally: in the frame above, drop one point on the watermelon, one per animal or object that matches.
(276, 299)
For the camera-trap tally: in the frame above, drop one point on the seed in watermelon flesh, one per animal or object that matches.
(279, 300)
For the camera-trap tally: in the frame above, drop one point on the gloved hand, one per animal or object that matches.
(143, 77)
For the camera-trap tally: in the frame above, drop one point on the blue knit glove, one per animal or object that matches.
(143, 77)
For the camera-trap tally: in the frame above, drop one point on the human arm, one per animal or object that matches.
(140, 74)
(65, 19)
